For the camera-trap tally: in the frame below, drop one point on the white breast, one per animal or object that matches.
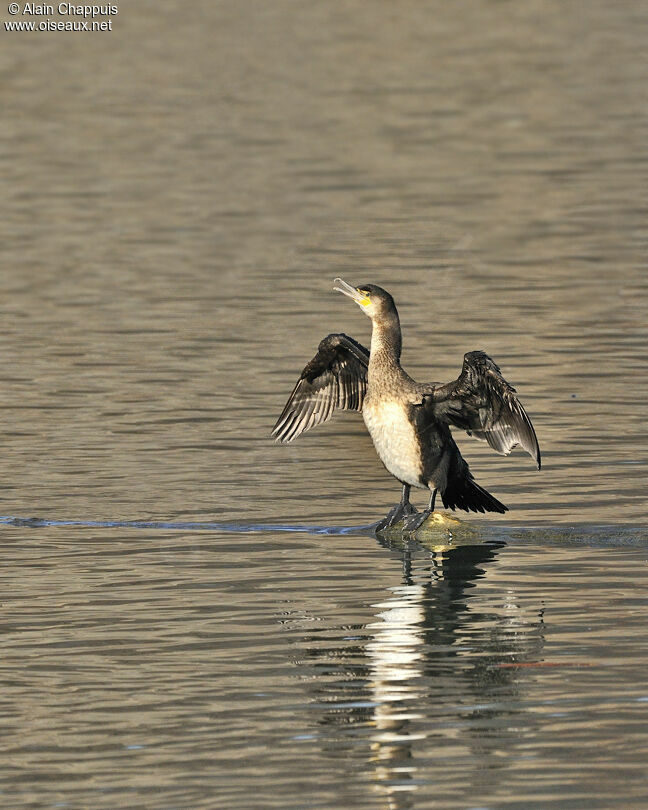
(394, 439)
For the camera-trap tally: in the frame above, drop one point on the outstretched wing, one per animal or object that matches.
(335, 378)
(481, 402)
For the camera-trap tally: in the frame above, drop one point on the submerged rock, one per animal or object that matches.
(441, 531)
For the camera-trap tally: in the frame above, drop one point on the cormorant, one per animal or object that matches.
(409, 422)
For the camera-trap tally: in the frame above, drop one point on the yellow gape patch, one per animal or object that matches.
(365, 302)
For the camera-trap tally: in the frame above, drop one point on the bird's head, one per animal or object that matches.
(372, 300)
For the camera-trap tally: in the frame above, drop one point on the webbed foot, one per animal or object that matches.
(399, 512)
(416, 521)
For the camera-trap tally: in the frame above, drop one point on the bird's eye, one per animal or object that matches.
(364, 292)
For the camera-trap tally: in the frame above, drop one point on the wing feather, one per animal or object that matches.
(483, 403)
(335, 379)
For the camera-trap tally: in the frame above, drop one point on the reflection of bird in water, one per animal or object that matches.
(439, 692)
(416, 684)
(410, 422)
(396, 660)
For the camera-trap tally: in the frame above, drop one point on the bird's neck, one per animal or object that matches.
(386, 341)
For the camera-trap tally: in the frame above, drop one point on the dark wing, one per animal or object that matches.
(481, 402)
(335, 378)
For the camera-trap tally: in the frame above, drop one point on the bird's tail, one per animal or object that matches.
(463, 492)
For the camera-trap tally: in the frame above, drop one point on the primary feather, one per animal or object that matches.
(483, 403)
(335, 379)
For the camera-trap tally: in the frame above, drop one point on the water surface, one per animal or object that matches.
(178, 196)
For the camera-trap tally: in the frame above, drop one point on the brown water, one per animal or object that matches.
(177, 196)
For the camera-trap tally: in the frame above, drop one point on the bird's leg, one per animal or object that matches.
(401, 510)
(405, 504)
(416, 521)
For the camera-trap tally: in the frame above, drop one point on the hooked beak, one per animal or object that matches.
(341, 286)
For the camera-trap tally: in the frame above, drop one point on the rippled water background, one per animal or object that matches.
(177, 196)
